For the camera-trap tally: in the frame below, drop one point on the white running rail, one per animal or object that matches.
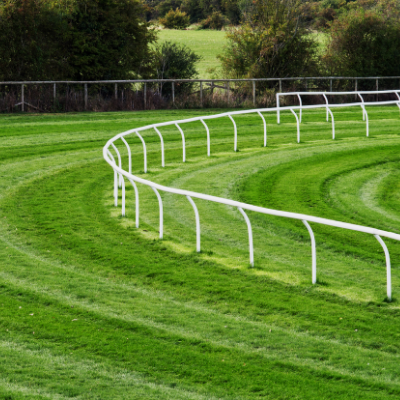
(325, 94)
(120, 174)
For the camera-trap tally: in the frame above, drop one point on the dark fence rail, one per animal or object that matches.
(116, 95)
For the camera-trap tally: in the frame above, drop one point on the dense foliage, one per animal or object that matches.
(271, 42)
(364, 43)
(92, 39)
(197, 10)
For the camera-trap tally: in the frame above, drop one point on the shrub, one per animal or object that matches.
(214, 21)
(173, 61)
(175, 20)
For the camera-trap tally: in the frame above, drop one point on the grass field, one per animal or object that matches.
(206, 43)
(93, 308)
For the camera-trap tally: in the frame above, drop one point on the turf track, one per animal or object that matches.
(118, 314)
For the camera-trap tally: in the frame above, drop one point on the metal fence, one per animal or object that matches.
(113, 95)
(121, 172)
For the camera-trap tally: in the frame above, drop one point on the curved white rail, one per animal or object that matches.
(120, 173)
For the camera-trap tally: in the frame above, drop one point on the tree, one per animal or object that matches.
(364, 43)
(31, 36)
(271, 43)
(173, 61)
(108, 39)
(77, 40)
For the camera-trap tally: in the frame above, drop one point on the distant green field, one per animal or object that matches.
(93, 308)
(206, 43)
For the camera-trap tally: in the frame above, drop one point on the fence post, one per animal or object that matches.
(280, 85)
(173, 92)
(145, 95)
(331, 85)
(22, 98)
(254, 92)
(228, 91)
(356, 85)
(86, 97)
(116, 91)
(201, 94)
(377, 84)
(306, 84)
(55, 92)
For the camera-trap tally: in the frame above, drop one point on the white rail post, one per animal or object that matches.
(119, 163)
(333, 124)
(144, 150)
(327, 102)
(183, 143)
(388, 268)
(123, 197)
(366, 121)
(136, 201)
(162, 146)
(235, 132)
(129, 154)
(265, 128)
(301, 105)
(298, 125)
(313, 253)
(196, 213)
(160, 203)
(278, 113)
(208, 138)
(115, 179)
(362, 105)
(397, 94)
(251, 250)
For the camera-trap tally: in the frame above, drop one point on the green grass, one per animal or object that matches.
(206, 43)
(93, 308)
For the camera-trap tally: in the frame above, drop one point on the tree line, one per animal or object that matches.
(116, 39)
